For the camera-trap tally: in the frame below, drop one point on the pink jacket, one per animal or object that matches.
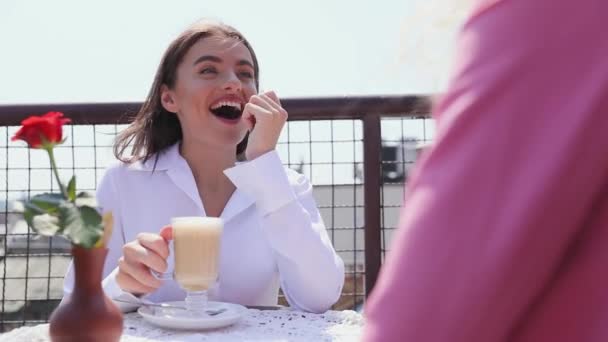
(504, 232)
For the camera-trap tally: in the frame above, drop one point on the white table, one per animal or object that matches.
(256, 325)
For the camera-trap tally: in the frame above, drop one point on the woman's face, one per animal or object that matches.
(214, 82)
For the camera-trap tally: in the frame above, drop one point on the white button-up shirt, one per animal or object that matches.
(273, 233)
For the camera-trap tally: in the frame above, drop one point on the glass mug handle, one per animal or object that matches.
(169, 275)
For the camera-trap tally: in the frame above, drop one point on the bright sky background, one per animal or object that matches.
(107, 51)
(100, 51)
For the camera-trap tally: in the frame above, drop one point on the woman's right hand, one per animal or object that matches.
(147, 252)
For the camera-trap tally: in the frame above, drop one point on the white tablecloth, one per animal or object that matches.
(256, 325)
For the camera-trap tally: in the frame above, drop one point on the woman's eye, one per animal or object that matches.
(208, 71)
(246, 74)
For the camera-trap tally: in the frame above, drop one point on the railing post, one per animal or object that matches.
(372, 147)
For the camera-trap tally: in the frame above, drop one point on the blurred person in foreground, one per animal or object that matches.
(504, 232)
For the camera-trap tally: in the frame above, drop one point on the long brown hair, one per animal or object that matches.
(154, 128)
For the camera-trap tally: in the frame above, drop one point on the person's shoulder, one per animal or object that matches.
(130, 167)
(121, 170)
(117, 167)
(110, 174)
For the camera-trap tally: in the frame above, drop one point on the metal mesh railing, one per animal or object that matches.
(328, 140)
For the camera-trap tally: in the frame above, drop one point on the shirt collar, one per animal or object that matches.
(171, 160)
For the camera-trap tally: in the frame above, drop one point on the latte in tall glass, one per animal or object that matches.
(197, 249)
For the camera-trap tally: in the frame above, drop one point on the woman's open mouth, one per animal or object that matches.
(228, 111)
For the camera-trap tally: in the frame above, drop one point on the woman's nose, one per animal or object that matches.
(232, 82)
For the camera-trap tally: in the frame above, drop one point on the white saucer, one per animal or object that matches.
(171, 319)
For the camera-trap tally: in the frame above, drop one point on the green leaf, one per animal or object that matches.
(29, 212)
(48, 203)
(41, 213)
(81, 225)
(72, 189)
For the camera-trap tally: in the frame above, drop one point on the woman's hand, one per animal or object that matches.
(267, 118)
(147, 252)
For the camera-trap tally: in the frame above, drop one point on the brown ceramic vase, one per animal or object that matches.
(88, 314)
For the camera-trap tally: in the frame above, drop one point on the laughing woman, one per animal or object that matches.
(203, 144)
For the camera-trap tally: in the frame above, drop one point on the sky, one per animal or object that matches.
(66, 51)
(106, 51)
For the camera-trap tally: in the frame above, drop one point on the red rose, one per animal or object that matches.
(37, 130)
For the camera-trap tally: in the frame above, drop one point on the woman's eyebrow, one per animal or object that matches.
(216, 59)
(245, 62)
(205, 58)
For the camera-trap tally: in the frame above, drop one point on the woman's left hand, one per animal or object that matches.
(267, 118)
